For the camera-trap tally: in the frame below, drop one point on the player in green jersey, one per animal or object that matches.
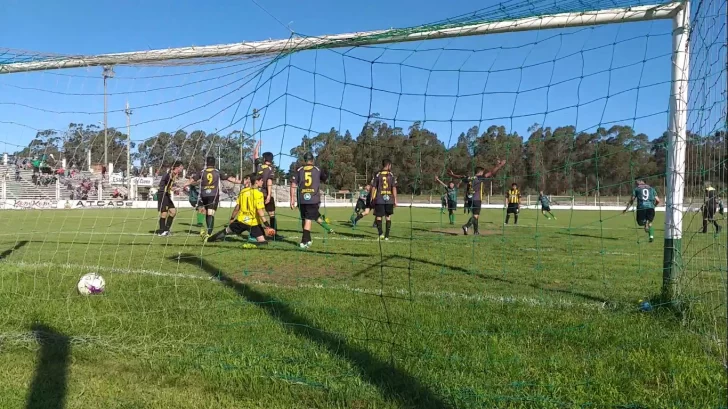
(647, 199)
(361, 208)
(194, 196)
(545, 205)
(451, 197)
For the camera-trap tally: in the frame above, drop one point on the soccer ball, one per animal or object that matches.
(91, 284)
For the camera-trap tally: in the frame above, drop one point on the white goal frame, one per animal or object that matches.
(678, 11)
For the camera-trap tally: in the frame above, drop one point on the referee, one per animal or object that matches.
(513, 202)
(711, 203)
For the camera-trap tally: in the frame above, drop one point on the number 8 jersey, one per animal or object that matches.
(645, 195)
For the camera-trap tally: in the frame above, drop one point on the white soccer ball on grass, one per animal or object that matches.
(91, 284)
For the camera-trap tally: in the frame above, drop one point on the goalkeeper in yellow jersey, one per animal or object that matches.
(249, 215)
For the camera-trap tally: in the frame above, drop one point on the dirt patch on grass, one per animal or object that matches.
(292, 274)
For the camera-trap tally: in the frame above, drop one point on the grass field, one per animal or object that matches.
(540, 315)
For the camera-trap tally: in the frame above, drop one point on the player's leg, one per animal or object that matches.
(357, 210)
(211, 205)
(388, 211)
(235, 227)
(650, 218)
(471, 221)
(256, 232)
(162, 208)
(515, 214)
(170, 216)
(379, 212)
(451, 208)
(200, 216)
(270, 207)
(476, 219)
(307, 215)
(322, 222)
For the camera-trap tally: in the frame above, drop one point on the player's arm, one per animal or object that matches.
(456, 176)
(495, 170)
(256, 151)
(269, 190)
(631, 201)
(293, 193)
(234, 215)
(437, 179)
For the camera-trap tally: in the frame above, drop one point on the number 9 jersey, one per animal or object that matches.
(645, 195)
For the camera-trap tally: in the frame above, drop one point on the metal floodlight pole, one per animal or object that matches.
(268, 47)
(107, 73)
(677, 133)
(128, 113)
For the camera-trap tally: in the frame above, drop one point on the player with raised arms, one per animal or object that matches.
(451, 198)
(384, 197)
(165, 205)
(305, 190)
(248, 215)
(210, 188)
(647, 199)
(477, 184)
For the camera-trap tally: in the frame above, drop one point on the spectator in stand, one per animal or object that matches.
(103, 173)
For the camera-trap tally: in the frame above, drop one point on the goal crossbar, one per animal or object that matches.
(268, 47)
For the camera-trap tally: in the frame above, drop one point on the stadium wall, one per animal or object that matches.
(46, 204)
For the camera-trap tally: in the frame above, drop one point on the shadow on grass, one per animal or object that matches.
(5, 254)
(393, 383)
(541, 288)
(48, 389)
(439, 231)
(591, 236)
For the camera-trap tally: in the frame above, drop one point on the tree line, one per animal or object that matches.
(560, 160)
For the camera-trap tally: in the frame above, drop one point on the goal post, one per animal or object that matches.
(561, 20)
(677, 133)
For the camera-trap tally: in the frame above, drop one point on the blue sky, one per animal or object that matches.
(587, 76)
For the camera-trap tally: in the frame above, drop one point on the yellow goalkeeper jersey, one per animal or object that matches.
(249, 202)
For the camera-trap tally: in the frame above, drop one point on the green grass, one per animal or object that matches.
(542, 315)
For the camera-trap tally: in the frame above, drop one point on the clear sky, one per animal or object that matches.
(585, 77)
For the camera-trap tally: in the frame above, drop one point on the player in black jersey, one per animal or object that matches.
(305, 190)
(165, 205)
(265, 170)
(384, 197)
(513, 203)
(478, 185)
(209, 187)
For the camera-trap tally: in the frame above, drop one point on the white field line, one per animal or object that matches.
(332, 237)
(401, 292)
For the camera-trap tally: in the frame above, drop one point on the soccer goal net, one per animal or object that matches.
(468, 292)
